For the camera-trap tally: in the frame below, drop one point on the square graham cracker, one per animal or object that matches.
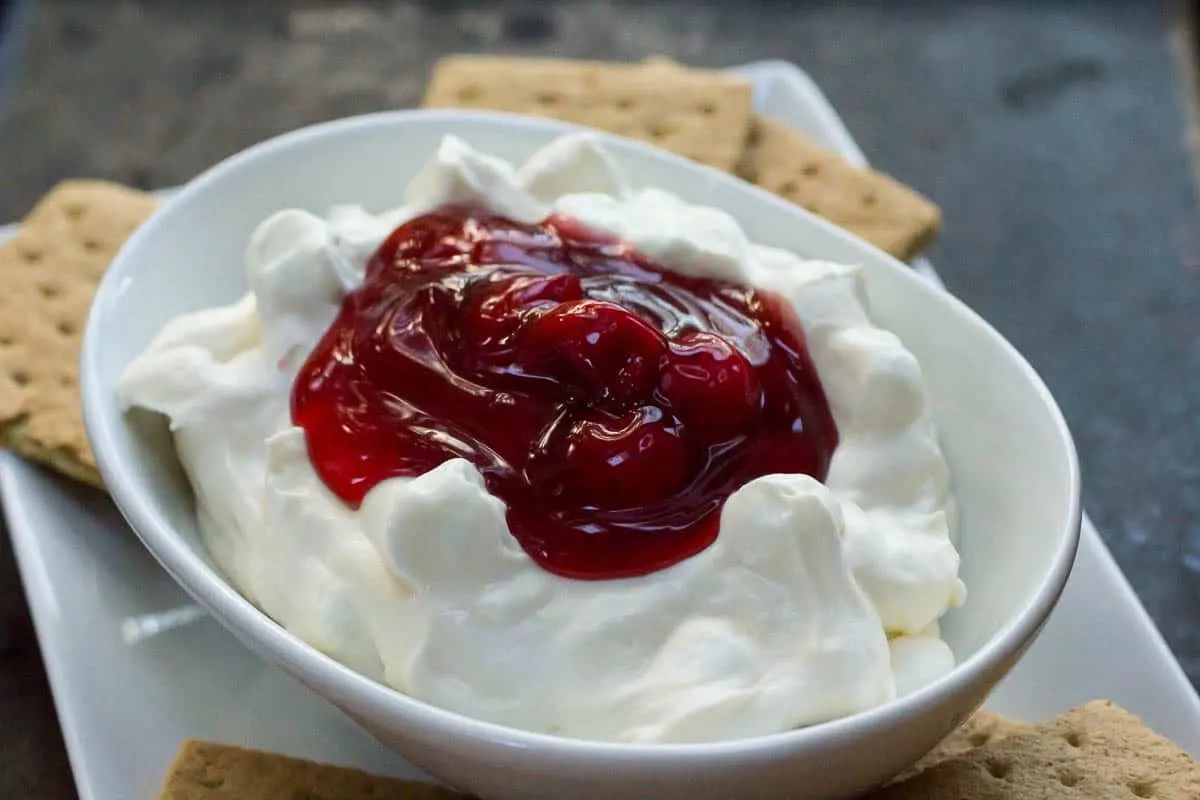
(886, 213)
(981, 728)
(207, 771)
(50, 271)
(1095, 752)
(780, 159)
(702, 115)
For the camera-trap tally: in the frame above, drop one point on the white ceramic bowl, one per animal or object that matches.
(1013, 465)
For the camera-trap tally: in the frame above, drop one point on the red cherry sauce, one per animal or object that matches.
(612, 405)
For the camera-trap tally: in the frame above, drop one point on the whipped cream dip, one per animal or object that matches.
(816, 601)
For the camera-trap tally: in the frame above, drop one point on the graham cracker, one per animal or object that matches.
(1094, 752)
(1097, 751)
(208, 771)
(702, 115)
(983, 727)
(886, 213)
(49, 272)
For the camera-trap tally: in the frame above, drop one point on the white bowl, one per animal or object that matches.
(1013, 466)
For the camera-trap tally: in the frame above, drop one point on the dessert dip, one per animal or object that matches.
(555, 451)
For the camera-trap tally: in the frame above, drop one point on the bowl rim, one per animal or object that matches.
(347, 687)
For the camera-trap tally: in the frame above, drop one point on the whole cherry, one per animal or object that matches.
(710, 385)
(607, 353)
(617, 461)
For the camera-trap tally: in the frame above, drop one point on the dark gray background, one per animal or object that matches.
(1051, 133)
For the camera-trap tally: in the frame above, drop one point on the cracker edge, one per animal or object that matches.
(192, 751)
(13, 435)
(932, 215)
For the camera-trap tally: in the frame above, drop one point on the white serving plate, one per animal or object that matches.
(87, 576)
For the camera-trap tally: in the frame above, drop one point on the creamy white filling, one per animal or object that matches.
(816, 601)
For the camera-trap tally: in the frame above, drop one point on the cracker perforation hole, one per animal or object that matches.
(998, 768)
(20, 377)
(1069, 779)
(211, 781)
(49, 290)
(31, 255)
(979, 738)
(66, 327)
(66, 381)
(869, 199)
(660, 130)
(1074, 738)
(811, 169)
(707, 108)
(789, 187)
(74, 211)
(5, 340)
(548, 98)
(1142, 788)
(468, 93)
(91, 245)
(624, 103)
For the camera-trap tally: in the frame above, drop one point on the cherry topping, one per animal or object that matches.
(604, 461)
(497, 307)
(606, 355)
(613, 406)
(710, 385)
(495, 311)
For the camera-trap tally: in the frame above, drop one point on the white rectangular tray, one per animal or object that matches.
(125, 707)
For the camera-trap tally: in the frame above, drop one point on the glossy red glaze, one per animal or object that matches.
(613, 406)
